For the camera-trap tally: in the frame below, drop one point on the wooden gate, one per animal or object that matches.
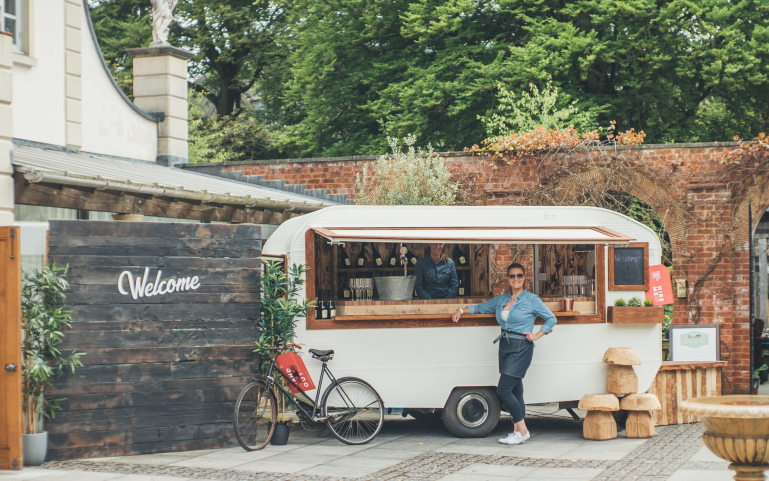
(10, 349)
(165, 314)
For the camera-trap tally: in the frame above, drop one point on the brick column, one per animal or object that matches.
(160, 85)
(6, 129)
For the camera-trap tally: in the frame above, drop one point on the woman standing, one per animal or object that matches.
(516, 311)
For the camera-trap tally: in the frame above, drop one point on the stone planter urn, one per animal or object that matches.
(737, 430)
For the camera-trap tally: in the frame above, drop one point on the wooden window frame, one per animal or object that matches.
(640, 287)
(437, 320)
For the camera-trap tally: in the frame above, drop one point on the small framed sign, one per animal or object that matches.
(693, 343)
(629, 267)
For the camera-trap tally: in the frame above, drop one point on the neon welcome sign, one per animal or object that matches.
(139, 287)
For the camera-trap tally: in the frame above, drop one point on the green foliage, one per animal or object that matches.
(635, 301)
(620, 302)
(546, 108)
(44, 316)
(121, 24)
(235, 42)
(279, 308)
(667, 320)
(408, 177)
(648, 303)
(241, 136)
(757, 372)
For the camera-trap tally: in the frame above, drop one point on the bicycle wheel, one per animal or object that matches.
(255, 416)
(354, 411)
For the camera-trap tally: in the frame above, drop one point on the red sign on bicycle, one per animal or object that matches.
(293, 367)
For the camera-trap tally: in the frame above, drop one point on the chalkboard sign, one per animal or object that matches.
(628, 267)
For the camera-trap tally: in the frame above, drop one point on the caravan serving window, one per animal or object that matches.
(338, 265)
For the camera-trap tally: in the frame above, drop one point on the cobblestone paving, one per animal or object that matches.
(656, 460)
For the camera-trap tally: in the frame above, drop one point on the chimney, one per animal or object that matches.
(160, 87)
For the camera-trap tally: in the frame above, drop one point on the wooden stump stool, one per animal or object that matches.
(640, 423)
(621, 379)
(599, 424)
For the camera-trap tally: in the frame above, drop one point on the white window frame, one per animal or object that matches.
(18, 19)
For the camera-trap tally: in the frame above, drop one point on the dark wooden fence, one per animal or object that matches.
(161, 372)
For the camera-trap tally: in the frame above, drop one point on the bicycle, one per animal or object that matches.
(350, 408)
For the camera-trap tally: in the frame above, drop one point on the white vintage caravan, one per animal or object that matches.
(411, 351)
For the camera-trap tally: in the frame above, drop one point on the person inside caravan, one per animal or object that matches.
(436, 275)
(516, 311)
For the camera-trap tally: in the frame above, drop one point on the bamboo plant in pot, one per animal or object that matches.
(279, 312)
(44, 315)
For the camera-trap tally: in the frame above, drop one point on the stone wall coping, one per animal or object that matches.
(159, 51)
(366, 158)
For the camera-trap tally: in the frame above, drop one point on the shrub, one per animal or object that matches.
(44, 316)
(648, 303)
(619, 302)
(406, 178)
(635, 301)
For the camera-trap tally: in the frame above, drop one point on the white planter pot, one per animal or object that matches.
(35, 448)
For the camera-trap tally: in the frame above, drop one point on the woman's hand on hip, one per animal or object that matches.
(531, 337)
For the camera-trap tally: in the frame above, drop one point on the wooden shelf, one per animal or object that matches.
(490, 319)
(566, 313)
(388, 269)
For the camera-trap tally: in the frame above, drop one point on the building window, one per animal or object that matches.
(12, 22)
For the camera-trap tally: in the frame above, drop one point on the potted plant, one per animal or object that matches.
(634, 311)
(756, 379)
(44, 315)
(279, 312)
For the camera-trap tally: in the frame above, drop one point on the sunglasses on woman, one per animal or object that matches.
(515, 276)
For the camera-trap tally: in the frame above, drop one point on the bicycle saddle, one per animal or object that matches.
(321, 353)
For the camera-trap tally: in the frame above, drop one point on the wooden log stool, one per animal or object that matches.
(621, 379)
(640, 422)
(599, 424)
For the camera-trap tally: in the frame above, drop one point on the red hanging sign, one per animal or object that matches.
(660, 289)
(292, 366)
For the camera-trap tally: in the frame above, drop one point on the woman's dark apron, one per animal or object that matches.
(515, 353)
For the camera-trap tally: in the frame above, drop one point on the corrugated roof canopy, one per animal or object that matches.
(105, 173)
(479, 235)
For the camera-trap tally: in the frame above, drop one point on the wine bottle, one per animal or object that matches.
(345, 258)
(346, 290)
(377, 257)
(393, 260)
(412, 258)
(461, 288)
(361, 260)
(319, 305)
(331, 306)
(460, 255)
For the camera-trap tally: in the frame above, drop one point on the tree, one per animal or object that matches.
(234, 41)
(649, 65)
(406, 178)
(121, 24)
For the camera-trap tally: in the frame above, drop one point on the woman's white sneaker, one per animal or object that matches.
(509, 437)
(517, 438)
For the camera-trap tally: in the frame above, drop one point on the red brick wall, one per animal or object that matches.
(685, 172)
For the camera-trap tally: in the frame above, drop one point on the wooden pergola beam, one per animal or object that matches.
(126, 203)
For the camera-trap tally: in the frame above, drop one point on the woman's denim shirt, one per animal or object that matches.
(522, 314)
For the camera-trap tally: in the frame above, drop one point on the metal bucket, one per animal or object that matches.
(395, 288)
(567, 304)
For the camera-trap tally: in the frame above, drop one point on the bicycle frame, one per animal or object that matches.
(290, 395)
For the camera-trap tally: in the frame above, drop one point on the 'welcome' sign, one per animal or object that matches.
(139, 286)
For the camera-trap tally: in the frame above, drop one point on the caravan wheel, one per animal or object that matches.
(471, 412)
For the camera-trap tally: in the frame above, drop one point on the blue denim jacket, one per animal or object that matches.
(436, 281)
(522, 314)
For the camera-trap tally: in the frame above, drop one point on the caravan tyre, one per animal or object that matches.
(471, 412)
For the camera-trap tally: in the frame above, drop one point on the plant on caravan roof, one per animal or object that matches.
(409, 177)
(44, 316)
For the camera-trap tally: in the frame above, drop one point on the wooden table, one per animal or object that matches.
(678, 381)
